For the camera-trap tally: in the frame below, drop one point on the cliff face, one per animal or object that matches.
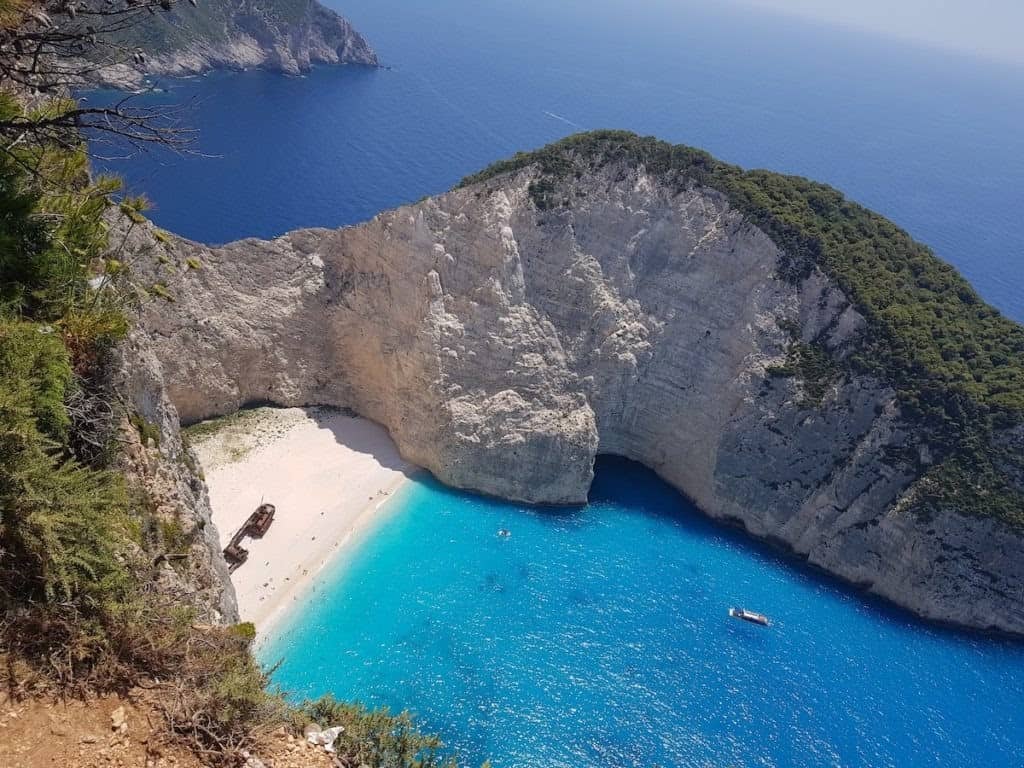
(504, 345)
(283, 35)
(158, 461)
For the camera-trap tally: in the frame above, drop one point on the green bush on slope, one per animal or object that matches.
(956, 364)
(211, 22)
(79, 606)
(60, 523)
(373, 737)
(813, 365)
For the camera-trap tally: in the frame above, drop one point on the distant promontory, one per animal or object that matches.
(288, 36)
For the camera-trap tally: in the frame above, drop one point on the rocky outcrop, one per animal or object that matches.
(505, 345)
(282, 36)
(159, 463)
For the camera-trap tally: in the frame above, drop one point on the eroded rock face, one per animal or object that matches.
(159, 462)
(505, 346)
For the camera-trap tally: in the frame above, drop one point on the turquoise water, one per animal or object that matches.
(932, 140)
(599, 636)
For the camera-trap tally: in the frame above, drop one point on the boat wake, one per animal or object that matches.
(561, 119)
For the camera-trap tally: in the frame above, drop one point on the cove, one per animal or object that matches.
(600, 636)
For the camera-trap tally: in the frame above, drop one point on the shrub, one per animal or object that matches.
(173, 536)
(813, 366)
(149, 432)
(44, 259)
(35, 375)
(132, 207)
(373, 737)
(60, 523)
(160, 291)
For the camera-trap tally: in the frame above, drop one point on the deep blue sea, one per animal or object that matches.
(599, 636)
(935, 141)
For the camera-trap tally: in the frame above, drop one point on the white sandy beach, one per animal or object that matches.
(327, 473)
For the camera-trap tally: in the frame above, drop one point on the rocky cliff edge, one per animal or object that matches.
(288, 36)
(505, 343)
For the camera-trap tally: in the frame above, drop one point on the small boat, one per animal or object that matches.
(235, 555)
(259, 521)
(504, 533)
(751, 616)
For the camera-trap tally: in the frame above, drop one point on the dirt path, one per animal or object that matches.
(44, 733)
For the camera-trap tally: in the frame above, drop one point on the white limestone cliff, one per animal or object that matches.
(504, 347)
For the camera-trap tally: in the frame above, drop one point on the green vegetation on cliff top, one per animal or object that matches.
(208, 22)
(85, 606)
(956, 363)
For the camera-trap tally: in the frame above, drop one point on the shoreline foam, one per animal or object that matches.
(328, 473)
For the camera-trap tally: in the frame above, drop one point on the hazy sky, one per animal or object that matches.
(993, 28)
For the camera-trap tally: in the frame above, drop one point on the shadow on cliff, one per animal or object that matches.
(622, 481)
(361, 435)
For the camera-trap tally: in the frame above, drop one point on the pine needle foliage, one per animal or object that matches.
(51, 227)
(60, 523)
(35, 375)
(374, 737)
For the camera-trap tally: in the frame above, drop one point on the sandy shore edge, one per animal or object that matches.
(303, 591)
(329, 474)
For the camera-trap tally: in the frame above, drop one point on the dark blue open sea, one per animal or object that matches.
(598, 637)
(932, 140)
